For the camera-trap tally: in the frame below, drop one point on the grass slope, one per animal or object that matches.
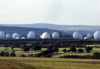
(48, 63)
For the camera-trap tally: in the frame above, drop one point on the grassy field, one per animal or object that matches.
(94, 49)
(47, 63)
(60, 49)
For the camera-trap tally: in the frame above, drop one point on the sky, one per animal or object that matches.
(62, 12)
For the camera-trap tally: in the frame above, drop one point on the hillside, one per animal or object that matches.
(24, 31)
(83, 29)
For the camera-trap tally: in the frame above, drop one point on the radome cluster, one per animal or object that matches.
(46, 35)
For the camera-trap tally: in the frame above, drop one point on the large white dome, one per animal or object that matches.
(89, 36)
(97, 35)
(15, 35)
(2, 35)
(76, 35)
(45, 35)
(31, 35)
(8, 36)
(55, 35)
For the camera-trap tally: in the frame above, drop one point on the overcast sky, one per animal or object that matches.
(65, 12)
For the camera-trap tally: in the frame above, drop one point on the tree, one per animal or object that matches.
(96, 55)
(12, 53)
(73, 49)
(6, 54)
(6, 47)
(64, 50)
(2, 53)
(12, 46)
(26, 49)
(55, 49)
(88, 49)
(36, 48)
(80, 50)
(22, 46)
(50, 47)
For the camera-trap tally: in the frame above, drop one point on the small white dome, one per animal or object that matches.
(55, 35)
(15, 35)
(85, 38)
(97, 35)
(8, 36)
(23, 38)
(45, 35)
(76, 35)
(2, 35)
(31, 35)
(89, 36)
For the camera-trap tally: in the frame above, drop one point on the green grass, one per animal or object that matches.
(8, 49)
(60, 49)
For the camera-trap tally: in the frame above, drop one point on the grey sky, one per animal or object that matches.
(66, 12)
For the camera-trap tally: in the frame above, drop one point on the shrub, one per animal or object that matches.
(2, 53)
(73, 49)
(48, 55)
(12, 53)
(30, 55)
(64, 50)
(22, 55)
(96, 55)
(68, 50)
(37, 55)
(80, 50)
(6, 54)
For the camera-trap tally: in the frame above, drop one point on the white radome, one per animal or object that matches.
(15, 35)
(23, 38)
(55, 35)
(89, 36)
(8, 36)
(2, 35)
(45, 35)
(97, 35)
(76, 35)
(85, 38)
(31, 35)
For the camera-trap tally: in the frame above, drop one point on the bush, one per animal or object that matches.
(80, 50)
(96, 55)
(48, 55)
(38, 55)
(2, 53)
(64, 50)
(22, 55)
(26, 49)
(30, 55)
(77, 56)
(12, 54)
(68, 50)
(73, 49)
(6, 54)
